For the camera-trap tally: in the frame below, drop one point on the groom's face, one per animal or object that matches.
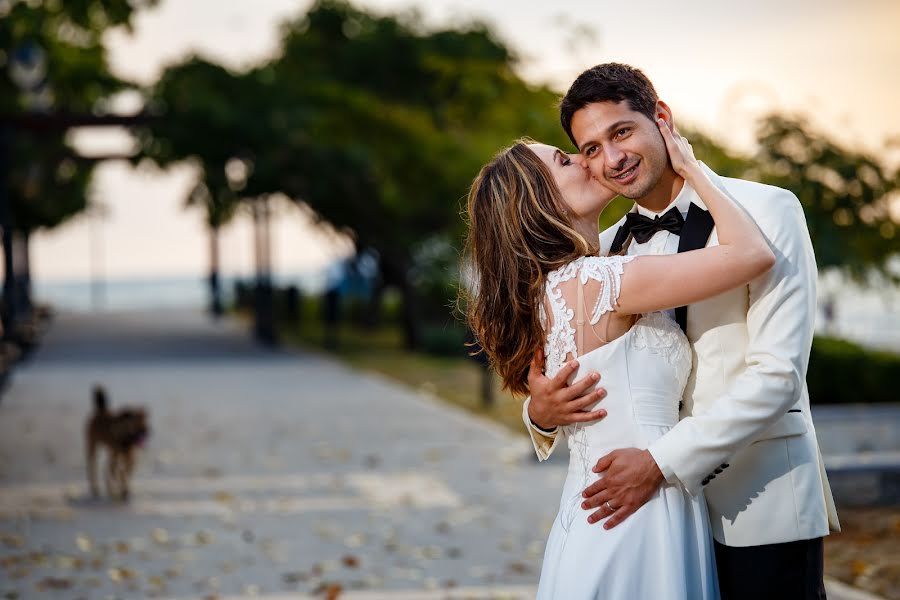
(623, 148)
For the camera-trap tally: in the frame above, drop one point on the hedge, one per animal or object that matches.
(842, 372)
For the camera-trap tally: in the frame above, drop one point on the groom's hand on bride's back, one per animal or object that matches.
(554, 402)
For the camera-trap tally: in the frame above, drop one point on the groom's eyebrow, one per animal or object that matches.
(611, 129)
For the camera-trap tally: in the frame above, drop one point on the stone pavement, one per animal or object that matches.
(861, 444)
(268, 474)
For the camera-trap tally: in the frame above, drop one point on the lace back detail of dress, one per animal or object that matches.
(561, 339)
(659, 334)
(607, 270)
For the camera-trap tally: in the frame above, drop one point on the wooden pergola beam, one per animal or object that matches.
(42, 122)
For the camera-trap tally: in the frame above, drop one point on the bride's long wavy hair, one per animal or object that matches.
(518, 232)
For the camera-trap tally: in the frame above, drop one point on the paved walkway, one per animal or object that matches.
(268, 474)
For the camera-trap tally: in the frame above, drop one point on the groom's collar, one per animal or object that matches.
(684, 199)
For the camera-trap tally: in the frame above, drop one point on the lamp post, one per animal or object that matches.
(95, 214)
(237, 172)
(264, 310)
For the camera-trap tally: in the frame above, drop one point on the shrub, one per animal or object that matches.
(448, 339)
(843, 372)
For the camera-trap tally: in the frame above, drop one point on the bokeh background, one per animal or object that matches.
(201, 174)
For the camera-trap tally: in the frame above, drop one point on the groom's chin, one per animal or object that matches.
(629, 192)
(635, 191)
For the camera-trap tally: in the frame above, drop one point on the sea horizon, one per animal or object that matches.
(155, 292)
(868, 316)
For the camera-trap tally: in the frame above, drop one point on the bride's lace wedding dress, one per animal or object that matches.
(664, 550)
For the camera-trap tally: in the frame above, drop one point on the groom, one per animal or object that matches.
(746, 437)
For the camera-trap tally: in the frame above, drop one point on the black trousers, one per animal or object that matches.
(790, 571)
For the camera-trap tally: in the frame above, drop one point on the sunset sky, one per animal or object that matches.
(718, 64)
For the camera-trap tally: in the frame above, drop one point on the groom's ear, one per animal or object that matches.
(665, 113)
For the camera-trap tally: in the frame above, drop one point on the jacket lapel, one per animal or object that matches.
(619, 240)
(622, 238)
(695, 234)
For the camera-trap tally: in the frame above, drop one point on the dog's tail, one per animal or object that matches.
(100, 399)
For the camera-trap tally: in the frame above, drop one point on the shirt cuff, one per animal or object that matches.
(543, 442)
(541, 430)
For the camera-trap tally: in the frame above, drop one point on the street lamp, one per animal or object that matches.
(28, 67)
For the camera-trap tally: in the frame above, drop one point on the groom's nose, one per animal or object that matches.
(579, 160)
(615, 157)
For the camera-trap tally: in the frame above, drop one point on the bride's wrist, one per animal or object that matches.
(537, 420)
(692, 173)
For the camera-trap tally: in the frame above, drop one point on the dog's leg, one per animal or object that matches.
(110, 473)
(127, 469)
(91, 456)
(120, 475)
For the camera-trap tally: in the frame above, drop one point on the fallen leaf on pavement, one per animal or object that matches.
(54, 583)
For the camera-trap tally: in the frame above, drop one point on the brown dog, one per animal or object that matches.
(121, 433)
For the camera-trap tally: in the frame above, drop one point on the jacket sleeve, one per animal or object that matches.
(544, 443)
(780, 322)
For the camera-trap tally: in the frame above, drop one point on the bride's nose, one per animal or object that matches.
(579, 160)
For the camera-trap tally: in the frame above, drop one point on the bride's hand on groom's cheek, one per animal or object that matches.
(629, 479)
(681, 153)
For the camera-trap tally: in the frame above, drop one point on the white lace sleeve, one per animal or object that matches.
(607, 270)
(560, 342)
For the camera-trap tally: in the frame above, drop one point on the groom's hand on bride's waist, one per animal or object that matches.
(629, 479)
(554, 402)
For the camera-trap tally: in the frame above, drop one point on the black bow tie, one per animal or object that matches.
(643, 228)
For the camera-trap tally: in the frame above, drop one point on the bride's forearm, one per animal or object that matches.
(736, 230)
(734, 227)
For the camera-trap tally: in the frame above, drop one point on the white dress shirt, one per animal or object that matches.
(663, 242)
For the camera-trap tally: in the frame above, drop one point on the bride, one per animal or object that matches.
(533, 240)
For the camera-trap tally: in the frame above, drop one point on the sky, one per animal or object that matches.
(719, 65)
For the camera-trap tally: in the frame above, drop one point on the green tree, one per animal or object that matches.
(845, 195)
(207, 117)
(375, 123)
(387, 124)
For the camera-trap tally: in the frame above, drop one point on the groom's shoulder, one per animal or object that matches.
(754, 191)
(760, 198)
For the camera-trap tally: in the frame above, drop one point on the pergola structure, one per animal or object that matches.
(41, 123)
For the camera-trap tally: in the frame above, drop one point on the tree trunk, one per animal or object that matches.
(24, 275)
(487, 387)
(376, 300)
(9, 310)
(215, 287)
(25, 331)
(412, 326)
(397, 273)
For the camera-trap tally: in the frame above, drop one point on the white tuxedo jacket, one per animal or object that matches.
(746, 436)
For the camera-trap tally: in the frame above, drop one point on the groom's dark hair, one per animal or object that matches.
(609, 82)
